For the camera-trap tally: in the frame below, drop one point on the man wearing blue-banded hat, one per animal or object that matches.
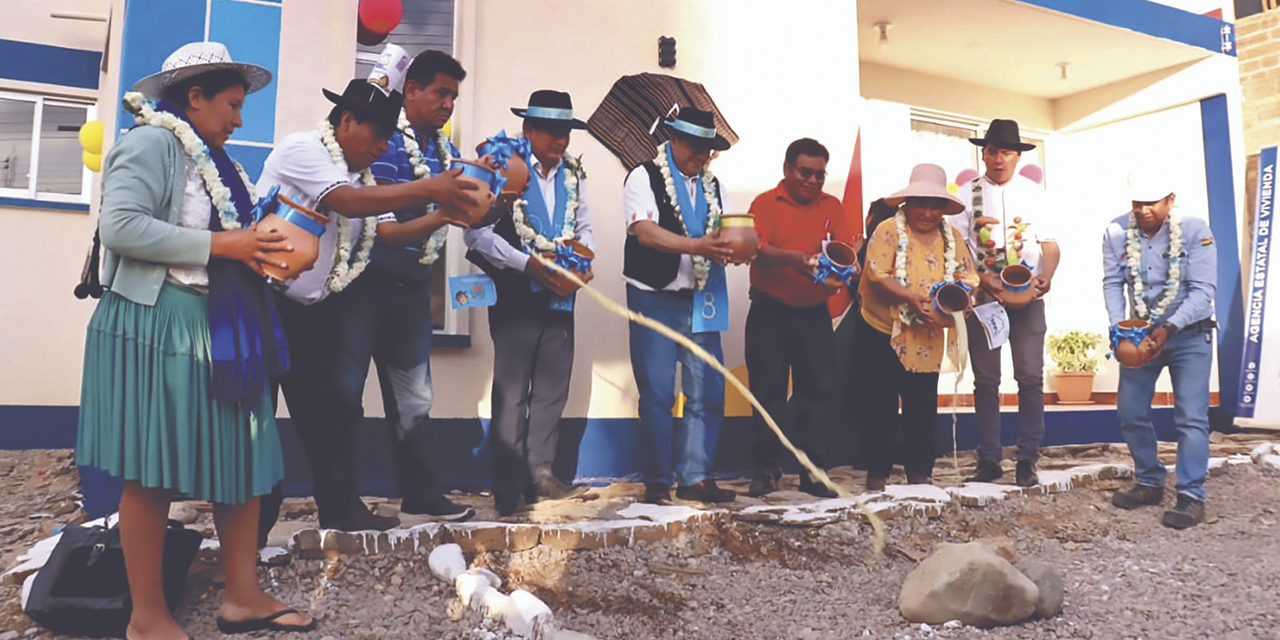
(532, 322)
(1160, 267)
(673, 267)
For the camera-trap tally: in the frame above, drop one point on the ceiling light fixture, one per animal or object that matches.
(1062, 71)
(883, 26)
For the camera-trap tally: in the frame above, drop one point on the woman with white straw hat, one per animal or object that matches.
(180, 349)
(899, 337)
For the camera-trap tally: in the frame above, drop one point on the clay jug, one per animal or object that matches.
(483, 213)
(303, 228)
(1017, 281)
(950, 298)
(835, 258)
(517, 175)
(740, 230)
(1129, 350)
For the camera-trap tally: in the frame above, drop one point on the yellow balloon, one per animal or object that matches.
(92, 160)
(447, 129)
(953, 188)
(91, 137)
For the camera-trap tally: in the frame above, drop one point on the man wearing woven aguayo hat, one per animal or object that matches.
(1168, 264)
(327, 170)
(1006, 224)
(532, 323)
(673, 269)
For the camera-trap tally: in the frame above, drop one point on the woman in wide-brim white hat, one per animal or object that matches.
(899, 340)
(175, 394)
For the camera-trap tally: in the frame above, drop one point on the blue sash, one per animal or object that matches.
(711, 304)
(545, 223)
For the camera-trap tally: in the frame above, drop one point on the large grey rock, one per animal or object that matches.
(184, 512)
(1049, 581)
(973, 583)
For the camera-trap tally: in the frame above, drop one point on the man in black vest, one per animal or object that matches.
(674, 274)
(532, 322)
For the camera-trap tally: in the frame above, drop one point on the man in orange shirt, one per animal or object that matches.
(789, 331)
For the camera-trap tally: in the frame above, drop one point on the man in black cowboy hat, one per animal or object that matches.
(385, 315)
(1020, 229)
(669, 262)
(532, 326)
(322, 170)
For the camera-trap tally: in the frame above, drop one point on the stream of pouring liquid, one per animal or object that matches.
(877, 525)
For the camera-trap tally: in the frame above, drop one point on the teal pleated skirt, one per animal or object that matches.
(147, 410)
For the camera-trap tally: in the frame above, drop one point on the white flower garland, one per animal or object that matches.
(531, 239)
(949, 262)
(701, 264)
(144, 112)
(431, 247)
(1133, 253)
(344, 270)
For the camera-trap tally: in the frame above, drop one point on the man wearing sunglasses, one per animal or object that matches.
(789, 335)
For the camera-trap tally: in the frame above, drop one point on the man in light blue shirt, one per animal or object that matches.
(1169, 251)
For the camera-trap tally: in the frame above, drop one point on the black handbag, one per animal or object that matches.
(82, 590)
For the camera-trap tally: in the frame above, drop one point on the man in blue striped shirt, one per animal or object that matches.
(1147, 251)
(386, 314)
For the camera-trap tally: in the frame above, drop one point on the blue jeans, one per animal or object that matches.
(390, 322)
(1189, 358)
(653, 361)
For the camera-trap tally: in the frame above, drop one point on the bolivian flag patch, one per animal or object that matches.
(1204, 242)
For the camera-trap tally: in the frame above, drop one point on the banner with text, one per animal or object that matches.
(1260, 367)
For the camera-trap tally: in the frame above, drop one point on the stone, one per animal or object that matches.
(9, 635)
(1049, 582)
(296, 508)
(183, 512)
(480, 537)
(972, 583)
(446, 562)
(524, 611)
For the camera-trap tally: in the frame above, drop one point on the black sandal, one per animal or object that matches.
(266, 623)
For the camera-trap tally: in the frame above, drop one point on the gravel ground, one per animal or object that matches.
(1126, 577)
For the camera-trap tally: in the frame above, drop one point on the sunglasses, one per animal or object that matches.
(806, 173)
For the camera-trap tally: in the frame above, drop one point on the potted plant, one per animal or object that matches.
(1074, 355)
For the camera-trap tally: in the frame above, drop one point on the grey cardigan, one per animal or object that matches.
(142, 189)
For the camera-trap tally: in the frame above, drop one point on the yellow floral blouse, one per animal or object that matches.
(919, 347)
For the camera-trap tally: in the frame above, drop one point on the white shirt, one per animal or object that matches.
(638, 203)
(306, 173)
(197, 207)
(1020, 197)
(501, 254)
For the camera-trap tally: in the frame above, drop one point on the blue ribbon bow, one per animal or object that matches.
(828, 269)
(567, 258)
(1133, 334)
(266, 205)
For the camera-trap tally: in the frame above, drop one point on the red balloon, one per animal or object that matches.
(380, 16)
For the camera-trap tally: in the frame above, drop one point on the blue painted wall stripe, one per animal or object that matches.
(595, 448)
(27, 203)
(31, 62)
(252, 34)
(1228, 303)
(1151, 18)
(153, 29)
(250, 157)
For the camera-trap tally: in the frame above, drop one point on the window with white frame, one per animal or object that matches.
(40, 154)
(944, 140)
